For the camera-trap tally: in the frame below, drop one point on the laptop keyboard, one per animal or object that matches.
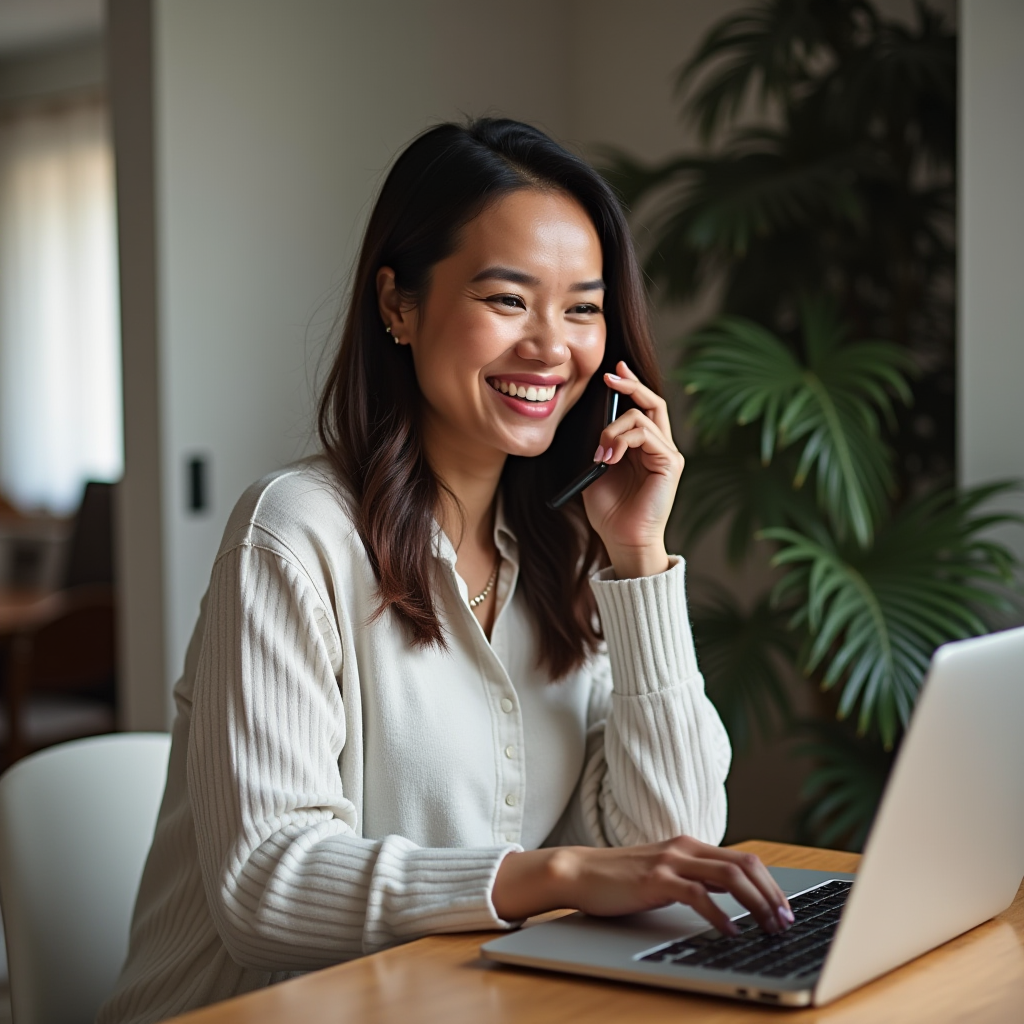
(798, 952)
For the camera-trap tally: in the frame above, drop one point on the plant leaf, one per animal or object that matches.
(731, 479)
(843, 791)
(831, 402)
(770, 43)
(739, 654)
(876, 616)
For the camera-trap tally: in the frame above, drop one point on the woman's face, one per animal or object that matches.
(511, 329)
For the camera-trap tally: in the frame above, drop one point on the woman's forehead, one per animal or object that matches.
(538, 234)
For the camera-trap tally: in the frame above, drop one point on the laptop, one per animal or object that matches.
(945, 853)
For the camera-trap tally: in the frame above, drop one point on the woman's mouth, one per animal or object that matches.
(530, 392)
(535, 400)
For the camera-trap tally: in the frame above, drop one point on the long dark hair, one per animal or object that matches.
(369, 410)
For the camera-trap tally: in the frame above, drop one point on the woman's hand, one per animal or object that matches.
(625, 880)
(629, 506)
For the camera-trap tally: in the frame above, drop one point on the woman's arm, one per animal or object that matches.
(290, 882)
(664, 755)
(653, 785)
(654, 782)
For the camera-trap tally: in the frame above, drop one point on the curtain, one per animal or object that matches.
(60, 366)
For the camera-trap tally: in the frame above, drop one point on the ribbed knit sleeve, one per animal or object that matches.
(291, 884)
(658, 754)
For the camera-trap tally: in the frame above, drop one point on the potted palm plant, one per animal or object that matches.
(828, 224)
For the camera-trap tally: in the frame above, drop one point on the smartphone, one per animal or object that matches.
(615, 404)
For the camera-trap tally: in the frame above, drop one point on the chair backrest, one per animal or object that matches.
(76, 824)
(90, 556)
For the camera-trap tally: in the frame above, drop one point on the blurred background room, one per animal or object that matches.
(840, 179)
(61, 447)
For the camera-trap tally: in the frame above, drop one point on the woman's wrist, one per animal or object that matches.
(631, 563)
(534, 882)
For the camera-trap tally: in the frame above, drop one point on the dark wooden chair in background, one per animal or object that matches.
(59, 680)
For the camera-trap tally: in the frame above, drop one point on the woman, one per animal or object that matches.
(417, 699)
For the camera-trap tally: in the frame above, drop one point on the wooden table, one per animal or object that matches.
(24, 609)
(978, 977)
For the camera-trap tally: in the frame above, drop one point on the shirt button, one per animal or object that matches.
(510, 751)
(506, 705)
(510, 837)
(511, 799)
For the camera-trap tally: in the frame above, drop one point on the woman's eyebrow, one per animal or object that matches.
(506, 274)
(521, 277)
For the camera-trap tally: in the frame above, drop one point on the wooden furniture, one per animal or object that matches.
(33, 549)
(26, 609)
(57, 656)
(59, 676)
(977, 977)
(57, 648)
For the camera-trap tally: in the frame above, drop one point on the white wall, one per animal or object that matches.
(991, 355)
(273, 123)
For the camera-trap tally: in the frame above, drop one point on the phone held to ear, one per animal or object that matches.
(614, 405)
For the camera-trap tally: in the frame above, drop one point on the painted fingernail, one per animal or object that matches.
(731, 929)
(614, 376)
(786, 915)
(599, 454)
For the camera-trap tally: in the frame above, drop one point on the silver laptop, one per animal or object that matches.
(946, 853)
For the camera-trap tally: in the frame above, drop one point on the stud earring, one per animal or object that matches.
(388, 329)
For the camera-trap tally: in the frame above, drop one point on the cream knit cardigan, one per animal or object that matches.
(333, 790)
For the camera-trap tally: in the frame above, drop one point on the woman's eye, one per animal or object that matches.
(586, 309)
(511, 301)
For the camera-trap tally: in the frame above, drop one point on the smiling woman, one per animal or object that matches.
(543, 290)
(417, 698)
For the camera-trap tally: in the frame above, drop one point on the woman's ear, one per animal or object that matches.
(396, 315)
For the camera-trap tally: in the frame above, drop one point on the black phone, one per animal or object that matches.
(615, 404)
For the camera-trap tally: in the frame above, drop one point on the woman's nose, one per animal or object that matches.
(545, 342)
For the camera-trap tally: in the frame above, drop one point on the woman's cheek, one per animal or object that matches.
(591, 354)
(484, 341)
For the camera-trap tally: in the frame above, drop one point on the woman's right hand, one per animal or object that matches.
(611, 881)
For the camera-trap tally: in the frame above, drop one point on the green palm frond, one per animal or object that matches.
(714, 209)
(632, 179)
(754, 191)
(740, 654)
(843, 791)
(909, 73)
(876, 616)
(831, 401)
(731, 479)
(766, 44)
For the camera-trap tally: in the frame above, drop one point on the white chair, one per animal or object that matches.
(76, 823)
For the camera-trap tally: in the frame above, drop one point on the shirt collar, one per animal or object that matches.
(504, 538)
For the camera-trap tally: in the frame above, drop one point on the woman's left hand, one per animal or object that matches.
(630, 504)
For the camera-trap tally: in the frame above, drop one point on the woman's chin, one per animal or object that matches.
(528, 448)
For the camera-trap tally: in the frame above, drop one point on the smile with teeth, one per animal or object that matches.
(529, 392)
